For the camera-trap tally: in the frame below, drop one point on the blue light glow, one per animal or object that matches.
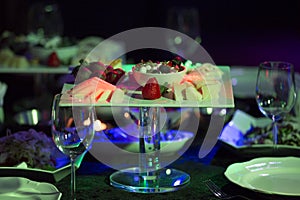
(177, 182)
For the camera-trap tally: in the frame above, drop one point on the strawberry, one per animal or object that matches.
(151, 90)
(169, 63)
(114, 75)
(53, 60)
(111, 77)
(119, 71)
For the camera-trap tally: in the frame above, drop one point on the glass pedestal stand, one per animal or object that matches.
(149, 177)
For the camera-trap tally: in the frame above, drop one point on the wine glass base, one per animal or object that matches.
(160, 181)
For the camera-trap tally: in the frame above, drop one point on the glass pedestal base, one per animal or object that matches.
(160, 181)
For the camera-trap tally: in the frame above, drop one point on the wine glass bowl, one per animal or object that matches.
(72, 130)
(275, 91)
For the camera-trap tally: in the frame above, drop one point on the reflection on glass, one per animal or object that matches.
(275, 91)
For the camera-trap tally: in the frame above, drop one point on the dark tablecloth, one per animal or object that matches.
(93, 176)
(93, 179)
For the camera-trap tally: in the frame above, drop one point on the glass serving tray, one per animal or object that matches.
(225, 99)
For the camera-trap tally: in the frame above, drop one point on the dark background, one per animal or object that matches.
(233, 32)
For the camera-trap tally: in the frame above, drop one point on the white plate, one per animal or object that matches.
(270, 175)
(36, 174)
(12, 188)
(62, 170)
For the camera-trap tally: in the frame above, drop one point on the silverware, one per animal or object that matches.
(218, 192)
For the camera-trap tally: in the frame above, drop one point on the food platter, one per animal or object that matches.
(62, 170)
(36, 158)
(52, 176)
(36, 174)
(225, 99)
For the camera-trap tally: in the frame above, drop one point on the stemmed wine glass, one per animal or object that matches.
(72, 130)
(275, 91)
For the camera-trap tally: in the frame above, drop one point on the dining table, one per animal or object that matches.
(93, 176)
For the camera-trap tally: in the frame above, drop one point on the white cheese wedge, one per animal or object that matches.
(211, 90)
(191, 93)
(178, 91)
(118, 96)
(210, 71)
(186, 91)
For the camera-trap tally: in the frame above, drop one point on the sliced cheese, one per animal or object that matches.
(97, 95)
(194, 78)
(211, 90)
(117, 96)
(95, 87)
(105, 96)
(105, 85)
(86, 86)
(191, 93)
(210, 71)
(186, 91)
(178, 91)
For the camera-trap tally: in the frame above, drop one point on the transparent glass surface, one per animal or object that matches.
(275, 91)
(72, 131)
(149, 177)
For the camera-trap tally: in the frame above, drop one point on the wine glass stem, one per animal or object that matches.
(275, 132)
(73, 180)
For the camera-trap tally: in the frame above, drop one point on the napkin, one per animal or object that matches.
(240, 124)
(244, 122)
